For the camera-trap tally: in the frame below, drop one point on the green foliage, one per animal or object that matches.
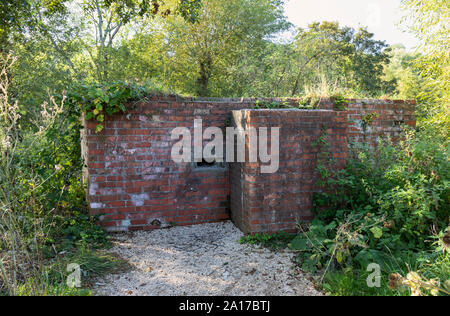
(402, 70)
(82, 229)
(92, 263)
(52, 281)
(305, 102)
(354, 283)
(98, 100)
(367, 120)
(49, 289)
(275, 241)
(428, 20)
(216, 48)
(190, 9)
(327, 52)
(24, 16)
(271, 105)
(208, 58)
(10, 14)
(340, 102)
(309, 102)
(407, 184)
(42, 199)
(384, 207)
(129, 9)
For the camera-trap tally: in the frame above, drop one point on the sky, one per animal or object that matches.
(382, 17)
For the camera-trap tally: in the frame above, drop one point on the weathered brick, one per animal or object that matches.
(133, 180)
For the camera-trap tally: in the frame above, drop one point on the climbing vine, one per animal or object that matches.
(98, 100)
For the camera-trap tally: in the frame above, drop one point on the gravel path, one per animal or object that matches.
(201, 260)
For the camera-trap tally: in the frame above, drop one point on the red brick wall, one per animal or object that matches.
(133, 181)
(389, 118)
(275, 202)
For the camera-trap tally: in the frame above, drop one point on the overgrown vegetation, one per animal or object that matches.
(43, 224)
(98, 100)
(389, 206)
(203, 48)
(387, 212)
(275, 241)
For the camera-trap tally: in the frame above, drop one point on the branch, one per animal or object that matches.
(100, 23)
(114, 33)
(47, 34)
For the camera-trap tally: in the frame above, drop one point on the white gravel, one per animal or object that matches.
(201, 260)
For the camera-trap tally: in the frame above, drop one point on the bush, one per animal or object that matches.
(405, 184)
(386, 206)
(42, 201)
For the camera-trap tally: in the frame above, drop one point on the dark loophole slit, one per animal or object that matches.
(205, 164)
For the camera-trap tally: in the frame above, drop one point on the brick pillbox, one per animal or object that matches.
(132, 180)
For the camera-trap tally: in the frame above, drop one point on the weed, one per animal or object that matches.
(275, 241)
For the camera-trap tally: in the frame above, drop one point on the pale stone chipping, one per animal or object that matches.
(202, 260)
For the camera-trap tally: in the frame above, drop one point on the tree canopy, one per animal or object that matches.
(212, 48)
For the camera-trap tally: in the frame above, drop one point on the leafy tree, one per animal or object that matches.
(54, 41)
(19, 15)
(263, 72)
(109, 17)
(126, 10)
(428, 20)
(368, 58)
(10, 12)
(322, 59)
(40, 33)
(401, 70)
(214, 50)
(324, 46)
(46, 40)
(342, 55)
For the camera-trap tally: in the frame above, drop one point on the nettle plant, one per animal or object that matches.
(98, 100)
(388, 200)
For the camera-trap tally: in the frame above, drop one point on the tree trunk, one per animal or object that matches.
(204, 76)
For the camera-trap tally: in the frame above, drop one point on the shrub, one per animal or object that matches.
(405, 184)
(386, 206)
(42, 204)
